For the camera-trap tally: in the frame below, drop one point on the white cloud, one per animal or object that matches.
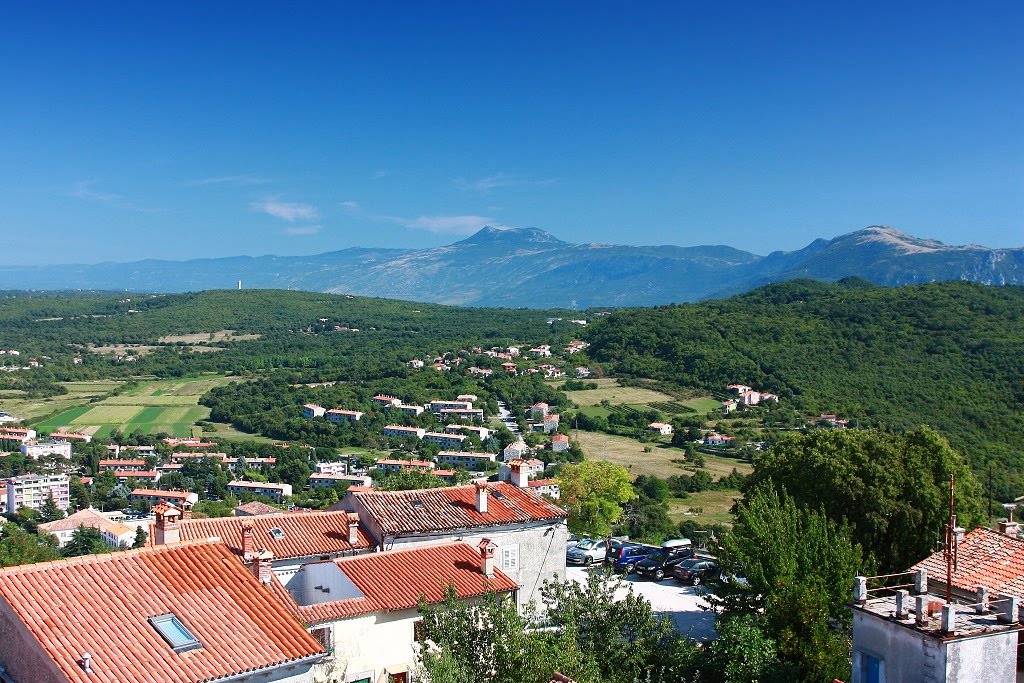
(302, 230)
(83, 189)
(350, 205)
(235, 180)
(501, 179)
(378, 175)
(287, 211)
(443, 225)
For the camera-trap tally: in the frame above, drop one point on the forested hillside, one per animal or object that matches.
(950, 355)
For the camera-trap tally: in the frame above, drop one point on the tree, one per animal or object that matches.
(799, 566)
(140, 538)
(407, 480)
(85, 541)
(50, 512)
(17, 546)
(594, 493)
(893, 489)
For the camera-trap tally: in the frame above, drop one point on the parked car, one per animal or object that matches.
(658, 564)
(571, 542)
(696, 570)
(586, 552)
(626, 558)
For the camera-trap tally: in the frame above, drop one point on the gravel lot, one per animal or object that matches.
(682, 604)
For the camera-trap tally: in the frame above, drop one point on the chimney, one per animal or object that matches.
(263, 567)
(87, 662)
(949, 619)
(247, 542)
(921, 610)
(486, 557)
(958, 534)
(921, 581)
(1009, 528)
(186, 511)
(902, 604)
(167, 529)
(982, 605)
(520, 473)
(481, 497)
(860, 589)
(353, 527)
(1008, 607)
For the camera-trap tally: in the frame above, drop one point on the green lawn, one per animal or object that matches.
(713, 507)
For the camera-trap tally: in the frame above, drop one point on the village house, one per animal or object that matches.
(576, 346)
(550, 423)
(336, 467)
(729, 406)
(542, 351)
(510, 368)
(170, 614)
(370, 626)
(337, 415)
(254, 508)
(739, 388)
(582, 372)
(438, 406)
(287, 539)
(528, 530)
(483, 433)
(474, 462)
(276, 492)
(133, 478)
(415, 363)
(538, 411)
(410, 409)
(318, 480)
(448, 442)
(387, 401)
(311, 410)
(183, 500)
(38, 449)
(516, 449)
(519, 471)
(832, 422)
(400, 432)
(70, 436)
(559, 443)
(714, 439)
(32, 491)
(182, 458)
(114, 534)
(662, 428)
(391, 465)
(122, 465)
(17, 434)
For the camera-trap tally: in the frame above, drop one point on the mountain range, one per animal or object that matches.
(528, 267)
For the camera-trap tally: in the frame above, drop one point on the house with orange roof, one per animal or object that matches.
(337, 415)
(529, 531)
(181, 614)
(559, 443)
(364, 609)
(311, 410)
(114, 534)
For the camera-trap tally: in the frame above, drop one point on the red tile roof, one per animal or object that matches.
(984, 558)
(395, 580)
(306, 534)
(257, 507)
(100, 604)
(122, 463)
(454, 507)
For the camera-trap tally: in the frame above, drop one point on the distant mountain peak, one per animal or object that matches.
(532, 237)
(897, 239)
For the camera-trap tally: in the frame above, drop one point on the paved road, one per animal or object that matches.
(682, 604)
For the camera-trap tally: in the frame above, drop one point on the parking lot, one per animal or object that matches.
(683, 605)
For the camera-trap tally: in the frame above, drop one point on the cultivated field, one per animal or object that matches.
(17, 404)
(170, 406)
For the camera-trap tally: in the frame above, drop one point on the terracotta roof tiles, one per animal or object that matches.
(305, 534)
(395, 580)
(984, 558)
(100, 604)
(454, 507)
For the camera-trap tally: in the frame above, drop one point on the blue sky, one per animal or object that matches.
(182, 130)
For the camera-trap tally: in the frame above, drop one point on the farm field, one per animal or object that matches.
(714, 506)
(206, 337)
(17, 404)
(152, 407)
(629, 453)
(609, 390)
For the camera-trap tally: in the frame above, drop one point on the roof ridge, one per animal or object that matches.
(97, 558)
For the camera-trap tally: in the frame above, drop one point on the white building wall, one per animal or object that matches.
(372, 643)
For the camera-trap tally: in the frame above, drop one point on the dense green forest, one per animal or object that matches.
(949, 355)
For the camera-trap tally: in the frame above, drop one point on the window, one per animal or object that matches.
(872, 668)
(276, 533)
(174, 632)
(510, 558)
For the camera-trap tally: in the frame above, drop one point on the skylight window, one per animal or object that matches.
(277, 533)
(174, 632)
(418, 504)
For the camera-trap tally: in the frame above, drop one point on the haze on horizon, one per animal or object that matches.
(187, 131)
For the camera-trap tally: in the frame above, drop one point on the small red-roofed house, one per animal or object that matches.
(180, 614)
(364, 608)
(527, 528)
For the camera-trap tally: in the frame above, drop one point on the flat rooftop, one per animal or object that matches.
(968, 622)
